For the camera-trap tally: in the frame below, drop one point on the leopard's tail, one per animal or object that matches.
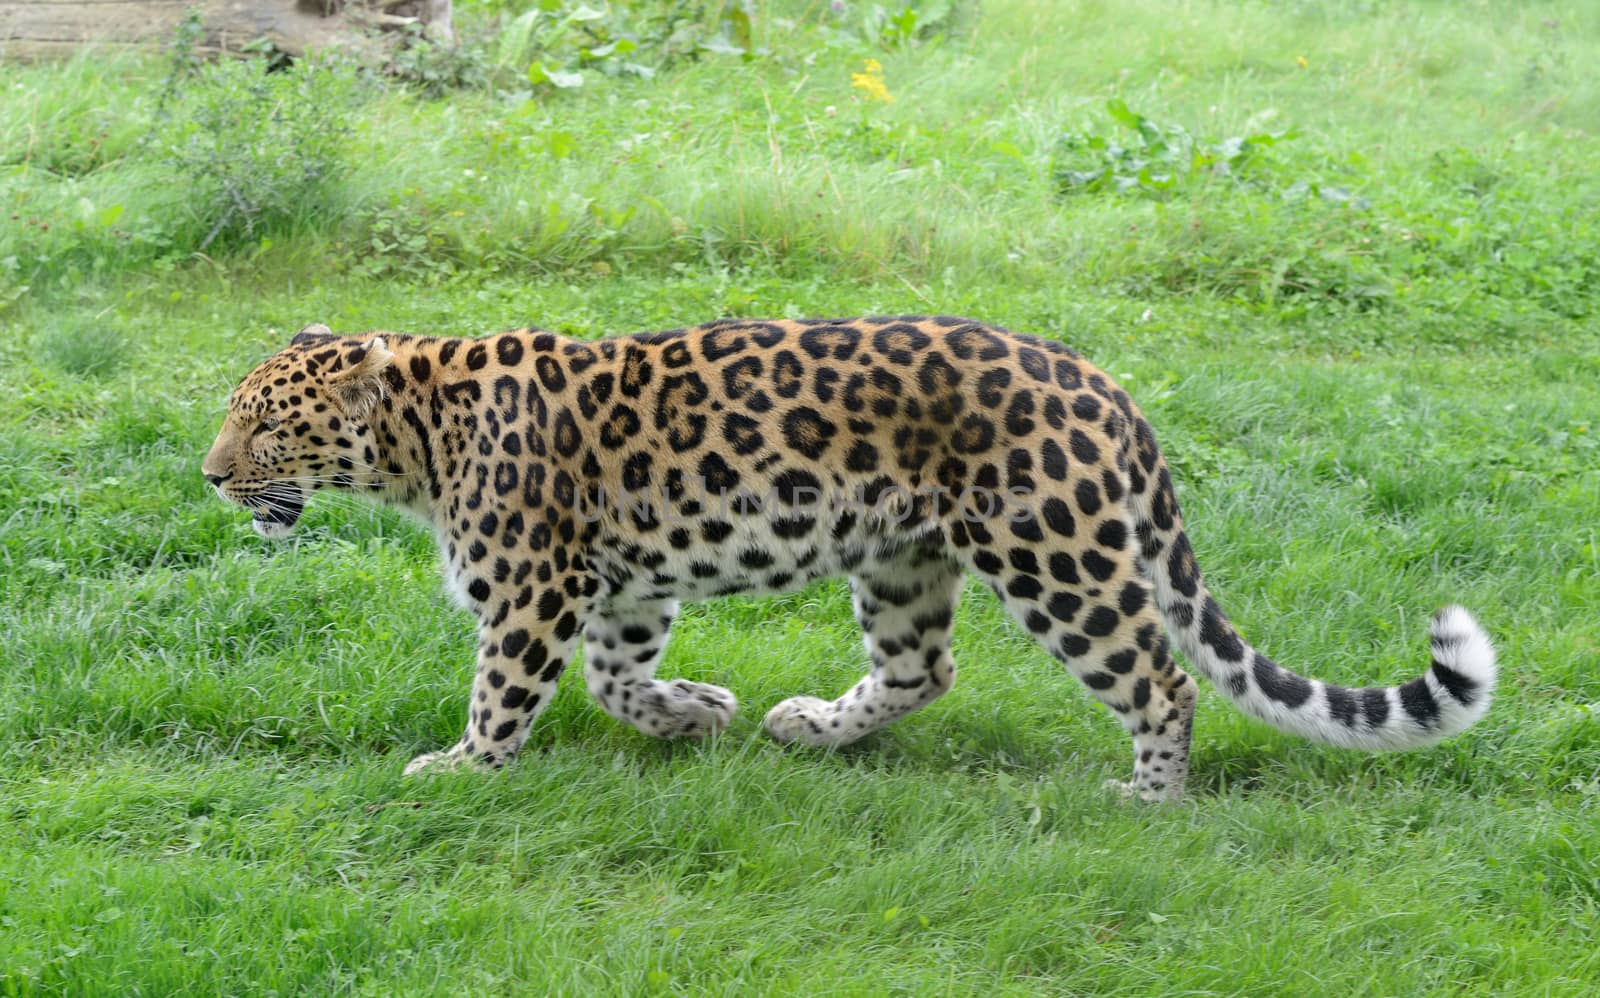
(1449, 698)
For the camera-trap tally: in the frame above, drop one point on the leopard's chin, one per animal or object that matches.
(270, 529)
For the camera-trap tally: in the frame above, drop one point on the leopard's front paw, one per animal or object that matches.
(694, 710)
(1129, 790)
(451, 759)
(803, 719)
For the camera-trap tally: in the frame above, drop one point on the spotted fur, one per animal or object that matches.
(758, 456)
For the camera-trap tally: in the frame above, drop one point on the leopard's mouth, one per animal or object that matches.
(275, 512)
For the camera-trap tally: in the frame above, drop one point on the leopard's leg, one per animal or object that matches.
(521, 655)
(622, 647)
(1093, 609)
(905, 610)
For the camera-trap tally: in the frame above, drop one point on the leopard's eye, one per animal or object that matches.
(268, 424)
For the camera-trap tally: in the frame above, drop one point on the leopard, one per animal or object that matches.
(582, 489)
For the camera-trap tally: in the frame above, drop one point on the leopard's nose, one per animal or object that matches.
(217, 479)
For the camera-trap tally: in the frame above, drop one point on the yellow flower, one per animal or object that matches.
(870, 82)
(1302, 61)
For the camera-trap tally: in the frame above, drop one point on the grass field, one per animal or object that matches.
(1344, 254)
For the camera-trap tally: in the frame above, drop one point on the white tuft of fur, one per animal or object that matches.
(1461, 646)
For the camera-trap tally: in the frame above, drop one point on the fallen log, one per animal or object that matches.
(47, 29)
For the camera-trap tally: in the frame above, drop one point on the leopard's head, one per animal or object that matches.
(298, 423)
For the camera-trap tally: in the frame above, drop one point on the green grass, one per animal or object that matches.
(1379, 396)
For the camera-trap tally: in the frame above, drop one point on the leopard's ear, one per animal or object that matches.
(359, 385)
(311, 334)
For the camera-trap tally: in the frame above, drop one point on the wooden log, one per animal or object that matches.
(53, 28)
